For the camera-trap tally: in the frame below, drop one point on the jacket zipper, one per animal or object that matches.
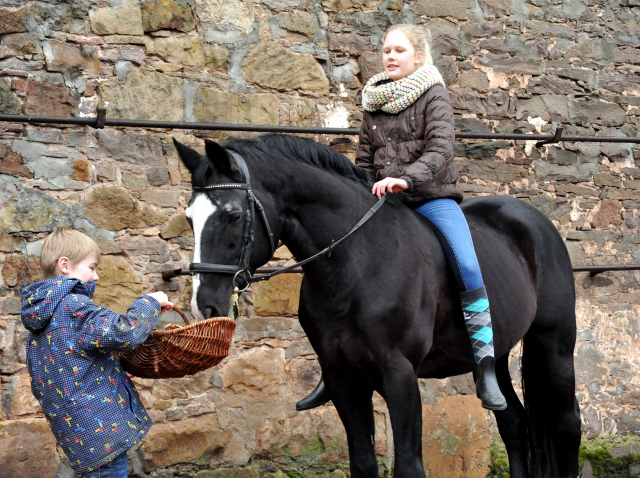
(130, 399)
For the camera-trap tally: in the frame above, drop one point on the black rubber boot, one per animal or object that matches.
(487, 388)
(318, 397)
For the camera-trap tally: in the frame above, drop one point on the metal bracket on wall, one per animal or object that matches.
(556, 138)
(101, 118)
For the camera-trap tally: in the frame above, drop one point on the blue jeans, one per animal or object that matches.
(447, 221)
(116, 468)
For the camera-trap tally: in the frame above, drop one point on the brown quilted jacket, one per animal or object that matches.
(416, 145)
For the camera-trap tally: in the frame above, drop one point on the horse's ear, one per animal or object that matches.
(190, 157)
(220, 158)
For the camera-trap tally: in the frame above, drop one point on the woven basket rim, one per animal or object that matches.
(193, 325)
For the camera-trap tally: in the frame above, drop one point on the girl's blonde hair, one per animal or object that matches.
(418, 37)
(67, 243)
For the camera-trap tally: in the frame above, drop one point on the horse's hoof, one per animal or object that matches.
(487, 388)
(318, 397)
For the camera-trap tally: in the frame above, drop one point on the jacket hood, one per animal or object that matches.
(41, 299)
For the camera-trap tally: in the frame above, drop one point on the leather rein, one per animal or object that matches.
(242, 269)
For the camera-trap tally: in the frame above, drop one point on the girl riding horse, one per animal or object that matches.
(406, 147)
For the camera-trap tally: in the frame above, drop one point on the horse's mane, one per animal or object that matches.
(299, 149)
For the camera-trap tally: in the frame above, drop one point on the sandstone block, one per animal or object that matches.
(142, 245)
(63, 56)
(119, 284)
(11, 162)
(14, 20)
(135, 148)
(606, 179)
(608, 215)
(278, 297)
(257, 372)
(161, 197)
(189, 51)
(583, 111)
(9, 104)
(31, 210)
(27, 448)
(23, 403)
(297, 22)
(457, 9)
(177, 226)
(124, 18)
(222, 107)
(46, 98)
(146, 95)
(370, 64)
(491, 170)
(112, 208)
(133, 181)
(346, 5)
(465, 100)
(157, 176)
(20, 44)
(10, 273)
(289, 71)
(192, 440)
(234, 15)
(474, 79)
(455, 437)
(166, 15)
(81, 170)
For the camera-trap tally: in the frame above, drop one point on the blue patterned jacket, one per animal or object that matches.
(89, 401)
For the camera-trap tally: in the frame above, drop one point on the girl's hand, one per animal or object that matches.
(389, 185)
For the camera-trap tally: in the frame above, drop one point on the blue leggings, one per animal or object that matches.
(447, 221)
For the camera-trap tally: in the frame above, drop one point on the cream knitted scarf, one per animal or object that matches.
(380, 93)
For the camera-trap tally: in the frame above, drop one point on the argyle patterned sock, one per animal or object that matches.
(477, 317)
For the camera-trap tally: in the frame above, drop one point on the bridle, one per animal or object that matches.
(242, 269)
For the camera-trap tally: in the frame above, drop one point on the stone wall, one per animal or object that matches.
(511, 66)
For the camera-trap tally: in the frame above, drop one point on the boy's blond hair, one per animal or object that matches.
(419, 38)
(67, 243)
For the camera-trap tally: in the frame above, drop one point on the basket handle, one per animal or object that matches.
(184, 317)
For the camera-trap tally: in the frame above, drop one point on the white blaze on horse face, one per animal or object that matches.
(199, 211)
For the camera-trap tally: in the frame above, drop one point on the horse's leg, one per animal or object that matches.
(353, 403)
(402, 394)
(512, 422)
(552, 408)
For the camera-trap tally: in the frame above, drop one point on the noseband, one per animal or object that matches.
(242, 269)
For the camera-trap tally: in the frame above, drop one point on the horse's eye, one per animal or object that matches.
(234, 217)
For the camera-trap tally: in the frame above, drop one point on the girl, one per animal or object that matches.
(406, 147)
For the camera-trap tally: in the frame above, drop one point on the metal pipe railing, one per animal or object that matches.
(100, 121)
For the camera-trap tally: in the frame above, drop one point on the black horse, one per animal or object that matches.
(383, 308)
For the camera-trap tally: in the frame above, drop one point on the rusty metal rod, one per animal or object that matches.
(101, 121)
(593, 270)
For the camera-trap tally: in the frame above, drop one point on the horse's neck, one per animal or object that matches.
(316, 213)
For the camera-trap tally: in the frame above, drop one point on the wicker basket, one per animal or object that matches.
(182, 350)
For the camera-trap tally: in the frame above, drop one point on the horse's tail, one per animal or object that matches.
(552, 413)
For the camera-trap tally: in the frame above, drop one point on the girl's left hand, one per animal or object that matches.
(389, 185)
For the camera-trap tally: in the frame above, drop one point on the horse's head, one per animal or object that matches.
(228, 238)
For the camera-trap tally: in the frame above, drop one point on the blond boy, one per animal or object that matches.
(91, 405)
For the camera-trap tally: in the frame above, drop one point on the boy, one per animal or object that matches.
(91, 405)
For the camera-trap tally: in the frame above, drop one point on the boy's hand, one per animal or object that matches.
(163, 300)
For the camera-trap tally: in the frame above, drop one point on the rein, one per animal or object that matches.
(248, 235)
